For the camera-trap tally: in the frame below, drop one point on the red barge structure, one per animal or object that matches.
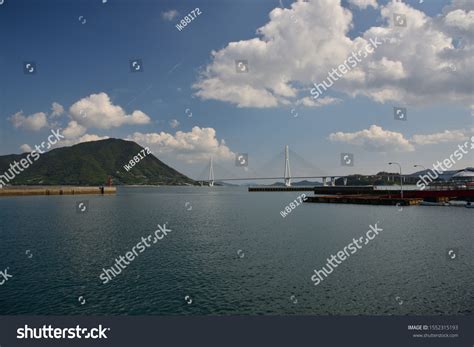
(370, 195)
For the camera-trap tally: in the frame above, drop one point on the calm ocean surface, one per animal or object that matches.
(404, 270)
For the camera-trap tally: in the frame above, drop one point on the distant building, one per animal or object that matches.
(466, 175)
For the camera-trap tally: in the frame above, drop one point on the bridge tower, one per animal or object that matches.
(287, 174)
(211, 174)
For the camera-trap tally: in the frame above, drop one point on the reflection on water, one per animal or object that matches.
(230, 253)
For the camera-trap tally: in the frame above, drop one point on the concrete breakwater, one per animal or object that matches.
(54, 190)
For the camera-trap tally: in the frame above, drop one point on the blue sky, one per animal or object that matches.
(252, 112)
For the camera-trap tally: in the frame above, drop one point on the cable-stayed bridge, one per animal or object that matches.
(286, 177)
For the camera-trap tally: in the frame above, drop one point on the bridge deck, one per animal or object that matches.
(281, 189)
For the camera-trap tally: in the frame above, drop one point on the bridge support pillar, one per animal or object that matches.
(211, 174)
(324, 182)
(287, 173)
(333, 181)
(345, 180)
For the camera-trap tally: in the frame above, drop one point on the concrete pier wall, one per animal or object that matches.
(55, 190)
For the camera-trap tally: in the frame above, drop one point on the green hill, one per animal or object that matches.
(90, 163)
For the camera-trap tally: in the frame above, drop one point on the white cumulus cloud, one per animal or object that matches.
(26, 148)
(56, 109)
(97, 111)
(94, 111)
(460, 19)
(324, 101)
(375, 139)
(81, 139)
(169, 15)
(91, 137)
(195, 146)
(445, 136)
(364, 3)
(33, 122)
(73, 130)
(300, 45)
(174, 123)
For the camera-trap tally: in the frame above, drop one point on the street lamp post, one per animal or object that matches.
(401, 179)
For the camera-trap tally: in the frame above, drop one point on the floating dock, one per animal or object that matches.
(370, 195)
(440, 193)
(55, 190)
(347, 190)
(363, 200)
